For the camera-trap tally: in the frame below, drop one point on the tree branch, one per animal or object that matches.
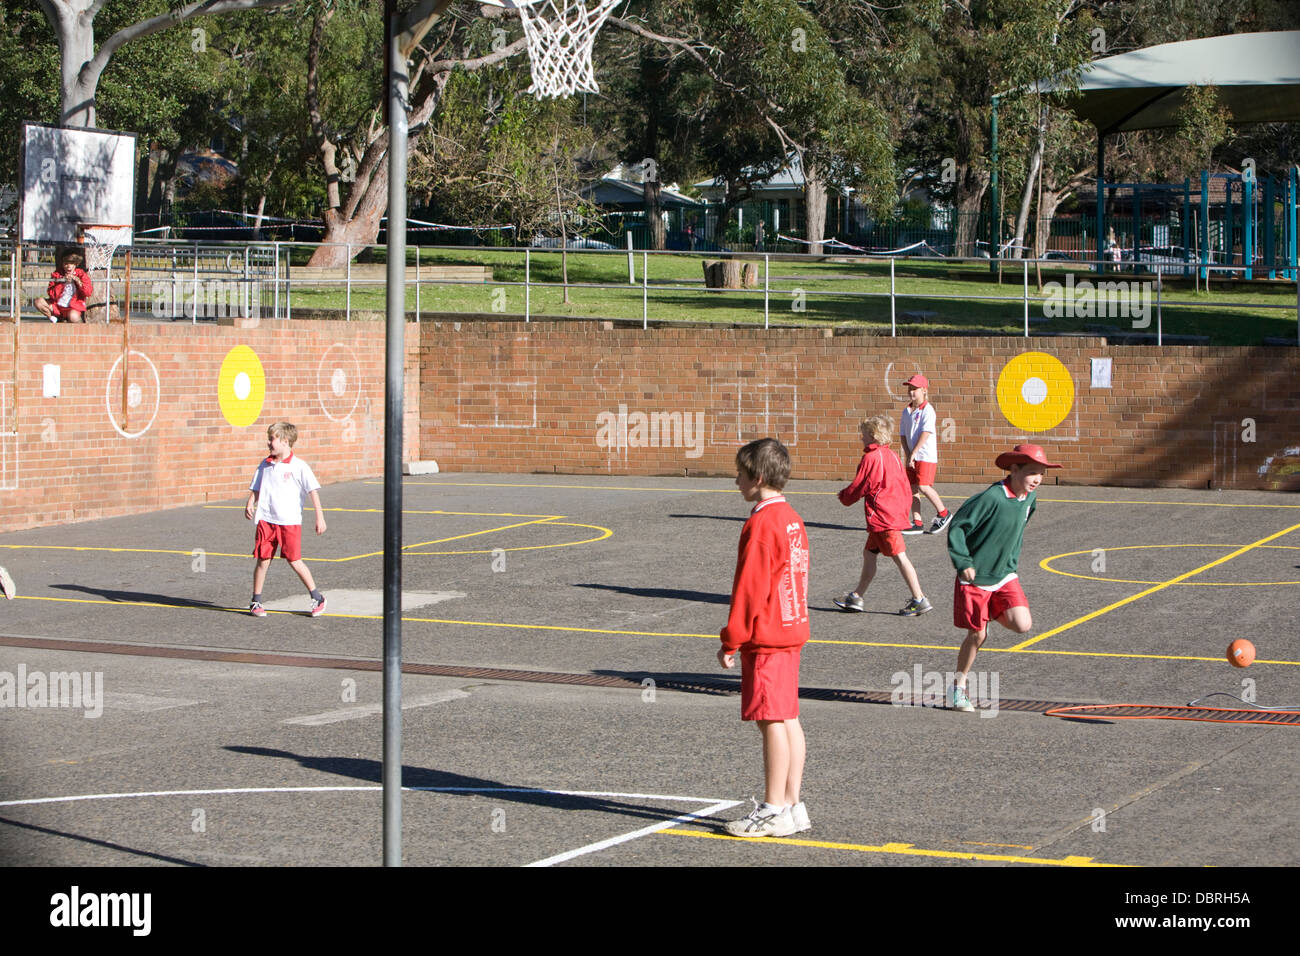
(156, 24)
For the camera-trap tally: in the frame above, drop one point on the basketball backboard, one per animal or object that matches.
(74, 176)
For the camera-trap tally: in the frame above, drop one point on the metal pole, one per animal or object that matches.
(893, 321)
(995, 227)
(194, 319)
(645, 290)
(393, 413)
(347, 276)
(1026, 296)
(1159, 316)
(276, 273)
(1098, 238)
(528, 288)
(631, 262)
(417, 283)
(767, 268)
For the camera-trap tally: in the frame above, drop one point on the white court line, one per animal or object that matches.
(239, 790)
(636, 834)
(717, 806)
(367, 710)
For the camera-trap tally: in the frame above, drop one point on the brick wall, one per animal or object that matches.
(588, 398)
(591, 398)
(78, 456)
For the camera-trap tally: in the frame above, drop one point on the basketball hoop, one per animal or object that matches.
(560, 36)
(101, 241)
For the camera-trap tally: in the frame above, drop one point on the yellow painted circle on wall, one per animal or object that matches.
(1035, 391)
(241, 386)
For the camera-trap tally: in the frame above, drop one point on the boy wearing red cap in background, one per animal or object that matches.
(984, 542)
(916, 429)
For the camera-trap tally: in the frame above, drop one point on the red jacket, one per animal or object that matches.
(769, 595)
(882, 485)
(83, 291)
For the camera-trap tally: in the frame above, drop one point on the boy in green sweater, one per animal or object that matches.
(984, 542)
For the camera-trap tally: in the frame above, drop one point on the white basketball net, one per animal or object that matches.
(100, 242)
(560, 35)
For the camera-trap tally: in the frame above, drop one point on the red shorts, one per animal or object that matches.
(60, 311)
(769, 685)
(288, 537)
(973, 608)
(888, 543)
(922, 473)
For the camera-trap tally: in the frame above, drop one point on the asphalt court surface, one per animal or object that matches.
(251, 759)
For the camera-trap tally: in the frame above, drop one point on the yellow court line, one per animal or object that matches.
(1046, 565)
(405, 511)
(606, 533)
(457, 537)
(1152, 590)
(69, 547)
(900, 849)
(619, 633)
(732, 491)
(1189, 504)
(406, 548)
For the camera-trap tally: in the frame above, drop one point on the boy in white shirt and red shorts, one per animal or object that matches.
(275, 501)
(916, 429)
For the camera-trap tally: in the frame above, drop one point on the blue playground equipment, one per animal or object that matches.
(1246, 221)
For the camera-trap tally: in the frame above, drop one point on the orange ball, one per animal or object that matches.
(1241, 652)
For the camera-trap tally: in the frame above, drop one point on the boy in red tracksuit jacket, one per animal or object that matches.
(68, 291)
(886, 495)
(768, 625)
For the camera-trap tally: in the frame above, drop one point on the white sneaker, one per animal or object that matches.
(7, 584)
(799, 815)
(763, 821)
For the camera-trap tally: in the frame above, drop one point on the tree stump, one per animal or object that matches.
(730, 274)
(95, 313)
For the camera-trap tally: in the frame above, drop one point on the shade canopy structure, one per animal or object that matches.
(1257, 76)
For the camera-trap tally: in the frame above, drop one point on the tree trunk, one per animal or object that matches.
(970, 193)
(654, 217)
(77, 78)
(1047, 206)
(345, 238)
(1027, 194)
(814, 205)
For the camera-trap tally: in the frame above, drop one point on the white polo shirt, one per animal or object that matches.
(281, 487)
(913, 424)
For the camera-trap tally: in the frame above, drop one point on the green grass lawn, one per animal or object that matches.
(932, 296)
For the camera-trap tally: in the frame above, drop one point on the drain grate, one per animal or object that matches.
(701, 685)
(1159, 712)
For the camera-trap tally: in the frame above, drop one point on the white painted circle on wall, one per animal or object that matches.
(137, 394)
(243, 386)
(1034, 391)
(338, 382)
